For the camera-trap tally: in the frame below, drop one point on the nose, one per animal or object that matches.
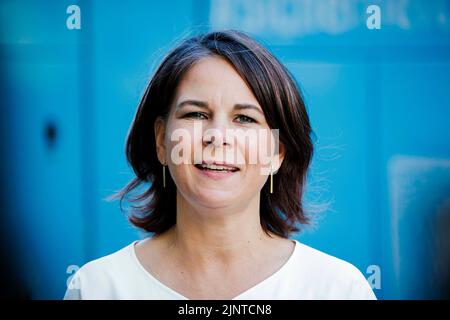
(216, 133)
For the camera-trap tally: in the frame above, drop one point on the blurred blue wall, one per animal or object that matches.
(379, 102)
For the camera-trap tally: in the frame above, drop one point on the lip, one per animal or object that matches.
(218, 175)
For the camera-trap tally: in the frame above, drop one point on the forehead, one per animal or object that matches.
(214, 78)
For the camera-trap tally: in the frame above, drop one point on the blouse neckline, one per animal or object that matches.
(277, 273)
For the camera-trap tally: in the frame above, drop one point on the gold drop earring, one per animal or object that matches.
(164, 175)
(271, 177)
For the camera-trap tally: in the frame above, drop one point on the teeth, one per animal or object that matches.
(216, 167)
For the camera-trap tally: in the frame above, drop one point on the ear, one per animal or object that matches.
(160, 133)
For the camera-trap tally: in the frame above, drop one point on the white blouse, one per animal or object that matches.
(308, 274)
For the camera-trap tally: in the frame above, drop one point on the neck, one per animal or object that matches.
(222, 236)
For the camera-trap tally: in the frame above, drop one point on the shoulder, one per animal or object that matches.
(110, 263)
(331, 277)
(99, 275)
(324, 262)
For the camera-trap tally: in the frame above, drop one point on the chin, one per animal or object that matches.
(215, 198)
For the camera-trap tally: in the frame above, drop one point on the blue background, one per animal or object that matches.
(379, 102)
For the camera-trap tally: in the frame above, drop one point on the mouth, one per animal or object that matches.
(216, 167)
(217, 171)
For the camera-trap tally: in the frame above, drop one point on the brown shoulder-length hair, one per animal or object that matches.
(275, 89)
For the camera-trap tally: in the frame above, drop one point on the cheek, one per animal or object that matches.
(182, 141)
(254, 179)
(256, 150)
(180, 174)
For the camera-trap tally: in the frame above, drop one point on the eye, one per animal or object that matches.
(195, 115)
(244, 119)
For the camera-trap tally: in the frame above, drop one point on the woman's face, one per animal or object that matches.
(215, 137)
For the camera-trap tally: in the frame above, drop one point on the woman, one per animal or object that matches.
(220, 226)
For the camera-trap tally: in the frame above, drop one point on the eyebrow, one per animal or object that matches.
(203, 104)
